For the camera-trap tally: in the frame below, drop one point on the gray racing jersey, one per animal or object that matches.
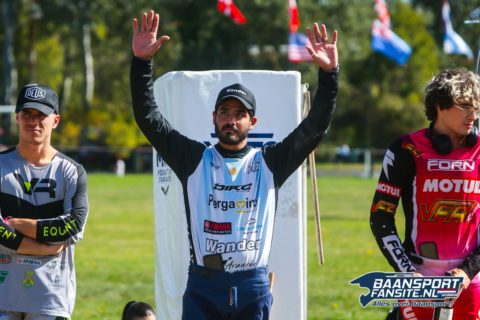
(56, 196)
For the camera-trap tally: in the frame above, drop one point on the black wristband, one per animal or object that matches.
(8, 237)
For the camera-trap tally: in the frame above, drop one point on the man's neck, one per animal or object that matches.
(233, 153)
(37, 155)
(233, 147)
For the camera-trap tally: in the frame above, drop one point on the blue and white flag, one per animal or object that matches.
(385, 41)
(452, 42)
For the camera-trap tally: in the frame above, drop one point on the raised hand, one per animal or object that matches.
(324, 54)
(145, 43)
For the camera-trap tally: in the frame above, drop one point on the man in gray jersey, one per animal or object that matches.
(43, 211)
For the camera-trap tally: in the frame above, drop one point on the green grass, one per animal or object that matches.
(115, 261)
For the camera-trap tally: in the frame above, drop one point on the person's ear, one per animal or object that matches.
(253, 121)
(56, 120)
(214, 115)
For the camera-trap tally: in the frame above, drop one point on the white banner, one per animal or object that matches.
(187, 100)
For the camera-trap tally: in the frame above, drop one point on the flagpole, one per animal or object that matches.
(477, 64)
(313, 176)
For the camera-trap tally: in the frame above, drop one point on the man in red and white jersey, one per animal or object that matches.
(435, 171)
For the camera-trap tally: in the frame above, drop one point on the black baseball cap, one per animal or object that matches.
(37, 96)
(239, 92)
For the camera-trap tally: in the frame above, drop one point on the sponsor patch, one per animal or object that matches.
(239, 188)
(215, 246)
(30, 262)
(253, 167)
(456, 211)
(410, 147)
(28, 282)
(5, 259)
(58, 282)
(388, 189)
(450, 165)
(217, 227)
(56, 264)
(240, 206)
(384, 206)
(452, 185)
(3, 276)
(394, 246)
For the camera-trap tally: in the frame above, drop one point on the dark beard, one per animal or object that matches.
(230, 139)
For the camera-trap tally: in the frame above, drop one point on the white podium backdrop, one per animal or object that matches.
(187, 100)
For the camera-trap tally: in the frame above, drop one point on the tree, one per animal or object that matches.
(460, 11)
(380, 100)
(85, 56)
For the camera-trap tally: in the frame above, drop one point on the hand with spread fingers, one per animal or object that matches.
(145, 43)
(324, 54)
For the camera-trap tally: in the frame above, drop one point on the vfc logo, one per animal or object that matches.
(448, 210)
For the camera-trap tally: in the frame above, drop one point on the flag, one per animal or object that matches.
(228, 8)
(475, 14)
(385, 41)
(296, 40)
(293, 15)
(296, 47)
(382, 12)
(452, 42)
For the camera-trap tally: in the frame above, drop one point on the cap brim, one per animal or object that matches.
(37, 106)
(243, 101)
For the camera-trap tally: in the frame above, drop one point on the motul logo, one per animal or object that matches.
(450, 165)
(35, 93)
(388, 189)
(451, 185)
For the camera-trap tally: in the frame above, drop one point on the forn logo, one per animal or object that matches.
(450, 165)
(37, 185)
(448, 210)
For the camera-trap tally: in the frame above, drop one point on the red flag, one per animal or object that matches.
(382, 12)
(293, 14)
(228, 8)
